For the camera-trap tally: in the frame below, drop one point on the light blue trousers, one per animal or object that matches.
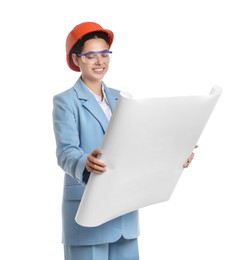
(123, 249)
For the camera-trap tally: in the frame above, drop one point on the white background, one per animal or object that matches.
(161, 48)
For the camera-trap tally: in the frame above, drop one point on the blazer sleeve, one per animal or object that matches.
(70, 157)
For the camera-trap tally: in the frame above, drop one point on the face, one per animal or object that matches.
(93, 70)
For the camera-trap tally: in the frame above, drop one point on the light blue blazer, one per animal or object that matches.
(79, 127)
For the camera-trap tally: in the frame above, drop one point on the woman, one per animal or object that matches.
(81, 115)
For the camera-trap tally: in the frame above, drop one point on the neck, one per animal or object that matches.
(94, 86)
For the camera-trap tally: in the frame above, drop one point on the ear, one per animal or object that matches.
(75, 59)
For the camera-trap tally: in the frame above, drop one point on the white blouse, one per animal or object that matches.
(103, 103)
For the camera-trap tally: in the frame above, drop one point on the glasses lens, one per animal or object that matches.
(93, 57)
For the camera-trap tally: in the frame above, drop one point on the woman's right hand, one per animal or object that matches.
(94, 164)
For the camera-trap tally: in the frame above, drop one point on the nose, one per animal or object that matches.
(98, 59)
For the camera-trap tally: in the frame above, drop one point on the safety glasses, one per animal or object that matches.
(93, 56)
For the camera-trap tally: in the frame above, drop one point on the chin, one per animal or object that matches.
(100, 76)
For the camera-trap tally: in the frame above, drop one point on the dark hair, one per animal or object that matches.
(78, 47)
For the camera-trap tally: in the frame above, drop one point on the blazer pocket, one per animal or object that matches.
(73, 192)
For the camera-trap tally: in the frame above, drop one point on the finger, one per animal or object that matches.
(93, 160)
(95, 168)
(95, 165)
(191, 157)
(97, 152)
(94, 171)
(185, 165)
(189, 160)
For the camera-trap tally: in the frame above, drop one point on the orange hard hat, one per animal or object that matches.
(77, 33)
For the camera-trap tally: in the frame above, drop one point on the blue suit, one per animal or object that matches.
(79, 127)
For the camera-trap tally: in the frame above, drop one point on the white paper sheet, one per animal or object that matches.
(145, 146)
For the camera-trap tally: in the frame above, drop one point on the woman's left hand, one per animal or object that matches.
(189, 160)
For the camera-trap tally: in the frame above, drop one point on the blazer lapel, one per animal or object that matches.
(91, 104)
(95, 109)
(112, 97)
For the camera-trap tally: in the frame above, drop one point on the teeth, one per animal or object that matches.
(98, 70)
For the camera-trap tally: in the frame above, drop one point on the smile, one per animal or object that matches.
(99, 70)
